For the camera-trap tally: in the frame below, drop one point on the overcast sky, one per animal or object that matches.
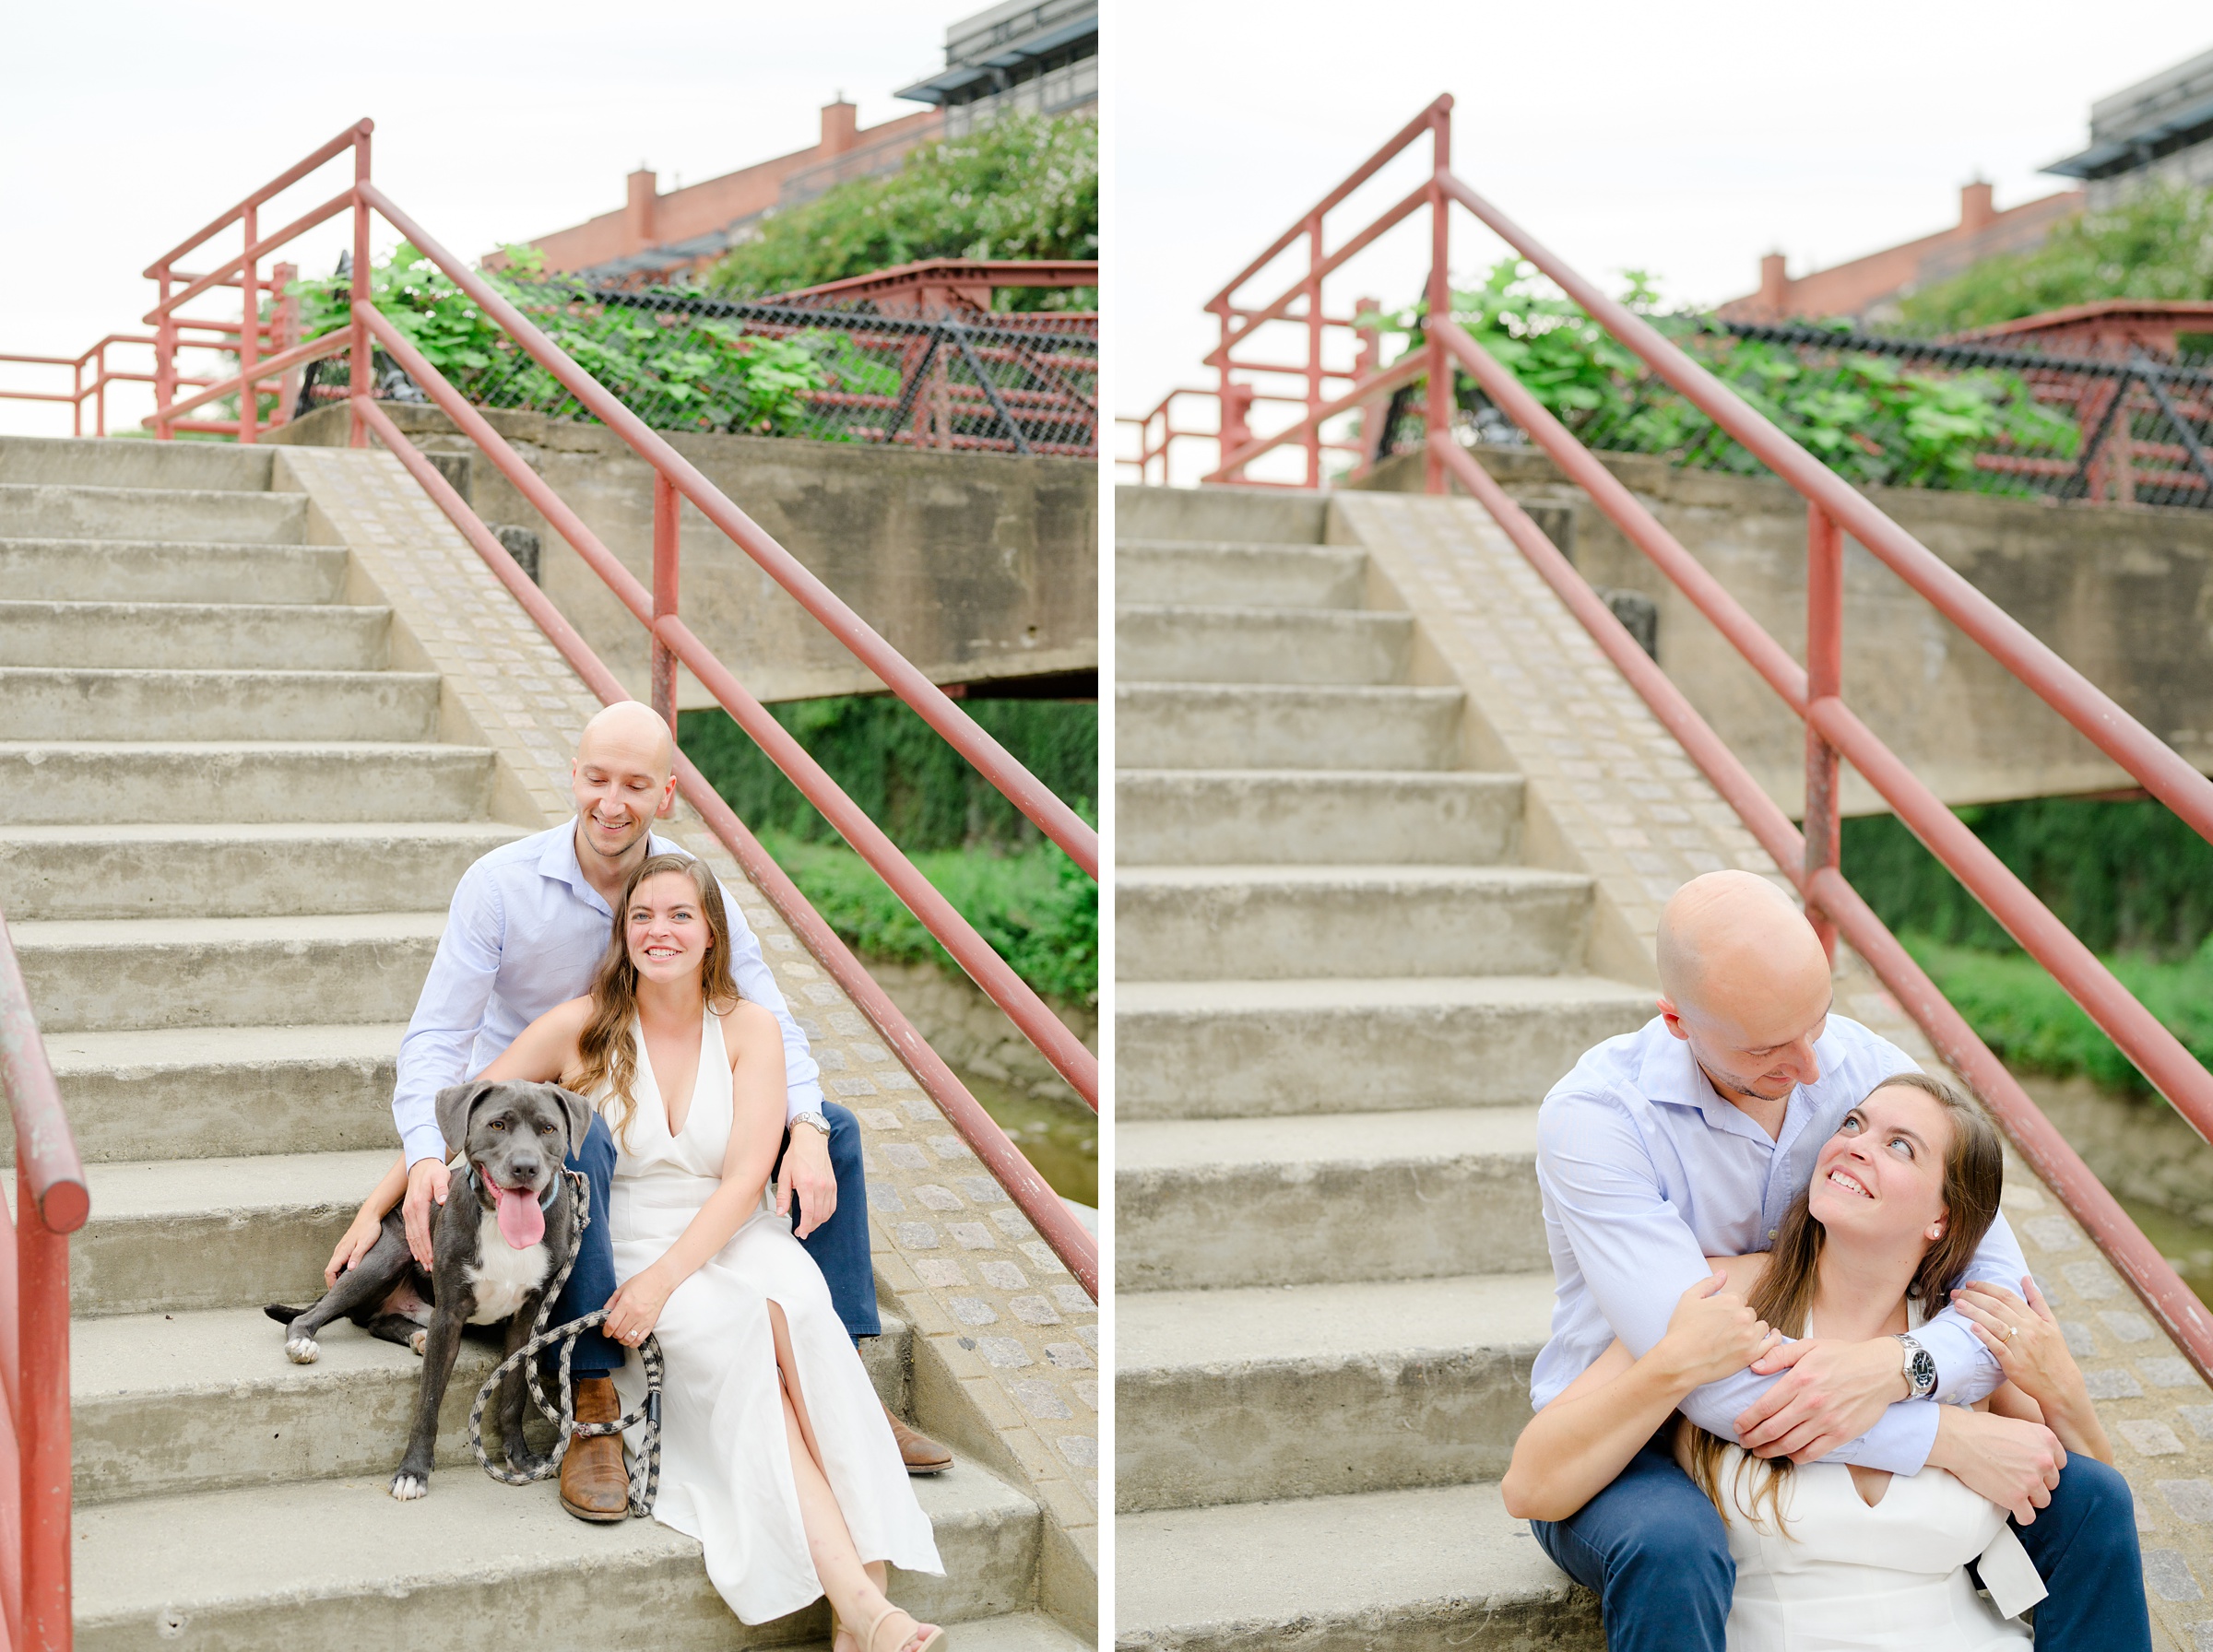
(1685, 139)
(126, 125)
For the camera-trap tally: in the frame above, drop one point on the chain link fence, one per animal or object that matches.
(1896, 412)
(991, 382)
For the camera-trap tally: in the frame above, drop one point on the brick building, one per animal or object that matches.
(1039, 55)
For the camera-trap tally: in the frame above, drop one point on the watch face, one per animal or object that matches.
(1924, 1371)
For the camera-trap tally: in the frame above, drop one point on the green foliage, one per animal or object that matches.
(903, 775)
(2027, 1018)
(675, 370)
(2157, 244)
(2125, 876)
(1037, 909)
(1867, 417)
(1022, 187)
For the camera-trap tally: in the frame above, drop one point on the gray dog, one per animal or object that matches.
(503, 1235)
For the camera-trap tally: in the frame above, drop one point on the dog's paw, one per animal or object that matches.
(408, 1487)
(302, 1351)
(415, 1343)
(526, 1462)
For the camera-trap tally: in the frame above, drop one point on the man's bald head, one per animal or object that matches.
(1745, 976)
(629, 732)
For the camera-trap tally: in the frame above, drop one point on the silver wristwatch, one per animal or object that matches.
(813, 1120)
(1920, 1368)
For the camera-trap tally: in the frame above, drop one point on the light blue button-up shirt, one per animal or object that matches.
(1646, 1172)
(526, 932)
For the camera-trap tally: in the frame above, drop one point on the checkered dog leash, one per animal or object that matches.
(646, 1470)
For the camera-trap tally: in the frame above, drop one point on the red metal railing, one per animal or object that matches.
(677, 479)
(1834, 733)
(51, 1204)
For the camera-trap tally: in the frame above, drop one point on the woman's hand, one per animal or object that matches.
(636, 1309)
(2027, 1341)
(360, 1239)
(1712, 1334)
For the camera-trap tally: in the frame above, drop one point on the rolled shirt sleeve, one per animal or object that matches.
(435, 1052)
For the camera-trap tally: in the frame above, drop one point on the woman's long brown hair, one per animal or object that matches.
(605, 1049)
(1974, 1175)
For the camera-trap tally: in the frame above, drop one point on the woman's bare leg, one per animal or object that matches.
(854, 1590)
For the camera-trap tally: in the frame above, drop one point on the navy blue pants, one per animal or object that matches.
(1653, 1549)
(840, 1246)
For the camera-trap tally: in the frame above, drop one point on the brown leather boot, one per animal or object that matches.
(594, 1485)
(921, 1454)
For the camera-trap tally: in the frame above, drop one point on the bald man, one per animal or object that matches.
(528, 925)
(1690, 1139)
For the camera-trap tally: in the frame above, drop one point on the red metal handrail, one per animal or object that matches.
(51, 1203)
(1813, 691)
(672, 641)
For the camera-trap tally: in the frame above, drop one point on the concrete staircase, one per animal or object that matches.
(228, 830)
(1341, 997)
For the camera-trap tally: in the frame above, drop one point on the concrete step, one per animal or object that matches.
(195, 635)
(169, 571)
(1246, 515)
(1210, 1204)
(1249, 726)
(237, 870)
(1258, 644)
(163, 1403)
(1196, 816)
(1256, 922)
(1248, 1049)
(1298, 576)
(1252, 1395)
(78, 511)
(208, 781)
(170, 1236)
(335, 1563)
(131, 462)
(109, 974)
(51, 703)
(1378, 1572)
(204, 1092)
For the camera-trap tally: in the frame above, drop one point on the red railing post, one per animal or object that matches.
(249, 332)
(1824, 679)
(1227, 394)
(43, 1339)
(1313, 443)
(666, 503)
(1436, 401)
(165, 360)
(284, 324)
(357, 375)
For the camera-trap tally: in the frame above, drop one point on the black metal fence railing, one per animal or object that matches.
(1900, 412)
(994, 381)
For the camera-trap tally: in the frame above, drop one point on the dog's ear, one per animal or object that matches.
(456, 1103)
(579, 1113)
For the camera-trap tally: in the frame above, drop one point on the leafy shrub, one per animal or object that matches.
(2157, 244)
(1868, 417)
(1022, 187)
(673, 370)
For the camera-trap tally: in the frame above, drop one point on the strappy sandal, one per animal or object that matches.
(934, 1641)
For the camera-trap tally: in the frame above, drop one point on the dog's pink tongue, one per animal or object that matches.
(522, 1223)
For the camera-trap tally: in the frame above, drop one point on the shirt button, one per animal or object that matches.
(1770, 1235)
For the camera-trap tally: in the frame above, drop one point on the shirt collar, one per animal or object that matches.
(1668, 1073)
(558, 862)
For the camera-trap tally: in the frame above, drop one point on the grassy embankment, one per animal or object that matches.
(1034, 907)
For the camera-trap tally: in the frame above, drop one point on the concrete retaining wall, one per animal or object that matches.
(2125, 596)
(975, 566)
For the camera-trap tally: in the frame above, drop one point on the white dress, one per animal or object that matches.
(725, 1466)
(1890, 1576)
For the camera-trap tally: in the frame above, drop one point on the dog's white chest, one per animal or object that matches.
(503, 1276)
